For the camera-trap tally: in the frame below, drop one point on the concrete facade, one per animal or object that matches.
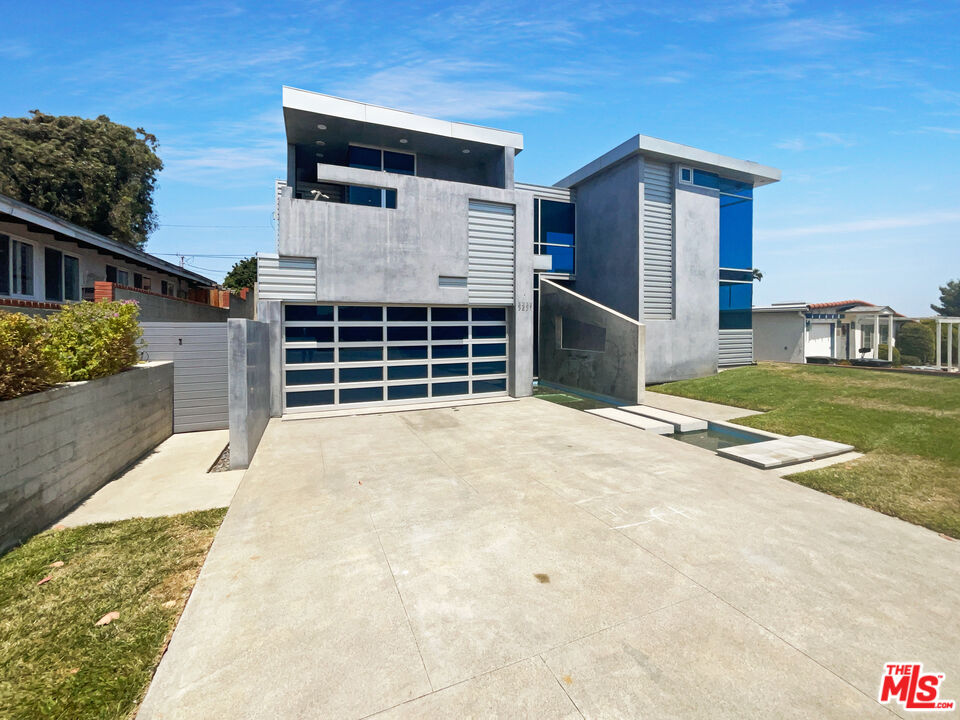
(613, 368)
(248, 357)
(62, 444)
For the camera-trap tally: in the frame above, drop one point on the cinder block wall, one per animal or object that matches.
(59, 446)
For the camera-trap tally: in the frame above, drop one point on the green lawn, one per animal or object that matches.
(908, 426)
(54, 661)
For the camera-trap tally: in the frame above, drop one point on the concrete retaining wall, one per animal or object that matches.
(61, 445)
(612, 368)
(157, 308)
(248, 353)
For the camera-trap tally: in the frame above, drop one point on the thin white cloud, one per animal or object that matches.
(816, 140)
(806, 34)
(867, 225)
(942, 130)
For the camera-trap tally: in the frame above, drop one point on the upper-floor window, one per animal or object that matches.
(555, 228)
(367, 158)
(61, 275)
(16, 267)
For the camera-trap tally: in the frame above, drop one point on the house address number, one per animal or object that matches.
(524, 306)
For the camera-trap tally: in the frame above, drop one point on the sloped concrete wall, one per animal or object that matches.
(612, 367)
(61, 445)
(248, 359)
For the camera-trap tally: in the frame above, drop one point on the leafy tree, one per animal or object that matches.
(949, 299)
(95, 173)
(243, 274)
(757, 275)
(916, 340)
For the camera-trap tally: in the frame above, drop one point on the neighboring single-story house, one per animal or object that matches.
(842, 330)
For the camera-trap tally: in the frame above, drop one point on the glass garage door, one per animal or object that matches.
(366, 355)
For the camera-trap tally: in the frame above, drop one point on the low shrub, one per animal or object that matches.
(92, 340)
(882, 353)
(911, 360)
(26, 362)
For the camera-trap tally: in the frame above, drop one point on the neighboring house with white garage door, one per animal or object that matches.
(408, 260)
(808, 332)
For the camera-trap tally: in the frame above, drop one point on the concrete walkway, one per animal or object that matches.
(530, 560)
(695, 408)
(172, 479)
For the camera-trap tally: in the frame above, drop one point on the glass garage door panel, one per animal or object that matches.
(369, 355)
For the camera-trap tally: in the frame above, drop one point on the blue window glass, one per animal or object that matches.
(706, 179)
(358, 395)
(442, 352)
(490, 314)
(406, 392)
(450, 388)
(360, 334)
(361, 374)
(557, 219)
(364, 158)
(489, 349)
(449, 332)
(390, 198)
(309, 377)
(686, 174)
(360, 313)
(735, 296)
(309, 355)
(357, 195)
(735, 320)
(741, 275)
(308, 312)
(312, 334)
(736, 232)
(406, 372)
(417, 352)
(407, 314)
(562, 258)
(483, 386)
(450, 370)
(395, 162)
(489, 331)
(489, 368)
(309, 397)
(449, 314)
(736, 187)
(418, 332)
(361, 354)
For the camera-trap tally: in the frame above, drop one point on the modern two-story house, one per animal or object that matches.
(408, 260)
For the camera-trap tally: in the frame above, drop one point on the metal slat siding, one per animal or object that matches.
(657, 241)
(547, 192)
(491, 233)
(287, 278)
(199, 371)
(736, 348)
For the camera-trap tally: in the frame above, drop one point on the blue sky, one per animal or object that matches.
(857, 103)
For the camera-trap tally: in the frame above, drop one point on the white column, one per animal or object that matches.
(876, 337)
(890, 338)
(949, 345)
(938, 343)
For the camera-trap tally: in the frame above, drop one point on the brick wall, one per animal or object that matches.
(59, 446)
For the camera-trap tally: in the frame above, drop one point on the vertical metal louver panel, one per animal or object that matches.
(735, 347)
(658, 271)
(492, 238)
(284, 278)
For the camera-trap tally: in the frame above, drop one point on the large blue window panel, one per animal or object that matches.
(736, 232)
(736, 301)
(562, 258)
(364, 158)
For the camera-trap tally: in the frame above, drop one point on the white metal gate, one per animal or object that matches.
(368, 355)
(199, 354)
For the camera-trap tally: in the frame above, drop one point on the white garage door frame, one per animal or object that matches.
(359, 359)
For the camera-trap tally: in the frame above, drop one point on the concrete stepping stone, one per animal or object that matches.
(637, 421)
(681, 423)
(784, 451)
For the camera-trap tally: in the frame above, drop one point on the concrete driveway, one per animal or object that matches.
(528, 560)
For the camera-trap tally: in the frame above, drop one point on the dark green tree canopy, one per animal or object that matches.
(243, 274)
(949, 299)
(95, 173)
(916, 340)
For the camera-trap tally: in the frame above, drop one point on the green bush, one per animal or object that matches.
(26, 362)
(911, 360)
(92, 340)
(918, 341)
(882, 353)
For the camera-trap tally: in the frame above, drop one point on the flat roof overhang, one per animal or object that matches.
(741, 170)
(40, 222)
(349, 120)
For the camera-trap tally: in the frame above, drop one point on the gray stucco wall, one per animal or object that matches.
(617, 372)
(608, 237)
(157, 308)
(687, 346)
(778, 336)
(271, 313)
(240, 308)
(248, 356)
(63, 444)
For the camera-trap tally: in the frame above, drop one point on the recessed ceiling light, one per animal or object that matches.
(466, 151)
(320, 142)
(403, 141)
(321, 126)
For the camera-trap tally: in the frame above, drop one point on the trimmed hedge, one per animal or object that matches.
(83, 341)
